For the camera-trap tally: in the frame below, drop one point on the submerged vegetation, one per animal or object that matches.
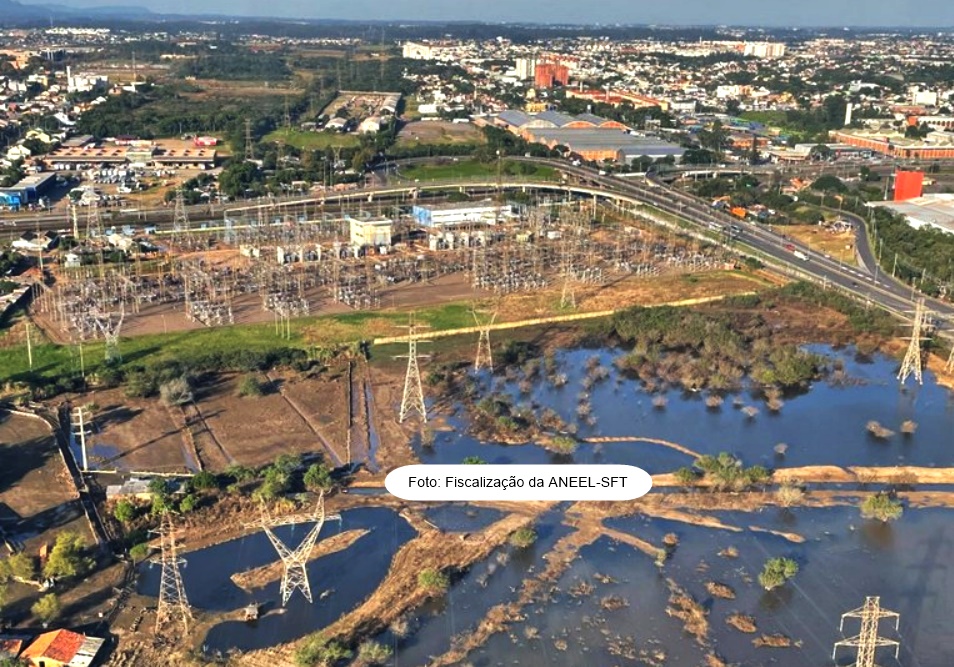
(707, 351)
(776, 572)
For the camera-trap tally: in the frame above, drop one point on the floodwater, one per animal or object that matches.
(844, 558)
(825, 425)
(339, 581)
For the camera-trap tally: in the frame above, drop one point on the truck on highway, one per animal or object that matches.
(802, 256)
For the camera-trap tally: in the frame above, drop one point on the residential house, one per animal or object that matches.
(62, 648)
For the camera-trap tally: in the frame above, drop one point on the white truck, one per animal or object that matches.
(802, 256)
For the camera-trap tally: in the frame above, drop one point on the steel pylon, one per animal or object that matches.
(867, 641)
(295, 561)
(912, 358)
(173, 604)
(412, 400)
(484, 357)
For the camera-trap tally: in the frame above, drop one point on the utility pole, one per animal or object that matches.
(296, 560)
(413, 398)
(173, 603)
(484, 355)
(29, 346)
(912, 359)
(80, 431)
(249, 148)
(867, 641)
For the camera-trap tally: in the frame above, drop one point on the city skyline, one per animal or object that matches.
(809, 13)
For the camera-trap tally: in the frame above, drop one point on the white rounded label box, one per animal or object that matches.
(518, 482)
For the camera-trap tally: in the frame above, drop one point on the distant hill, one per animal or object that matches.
(17, 12)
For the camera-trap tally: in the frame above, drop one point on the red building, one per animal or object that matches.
(548, 75)
(908, 185)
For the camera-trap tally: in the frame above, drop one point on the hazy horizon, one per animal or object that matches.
(755, 13)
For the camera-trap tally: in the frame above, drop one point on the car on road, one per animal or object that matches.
(789, 247)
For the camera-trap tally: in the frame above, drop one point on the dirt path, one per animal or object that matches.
(212, 455)
(655, 441)
(332, 454)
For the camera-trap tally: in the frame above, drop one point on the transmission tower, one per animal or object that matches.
(912, 359)
(949, 367)
(173, 604)
(484, 356)
(180, 218)
(94, 223)
(110, 331)
(413, 398)
(296, 560)
(868, 642)
(249, 147)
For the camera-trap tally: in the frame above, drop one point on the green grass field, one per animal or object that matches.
(52, 361)
(311, 140)
(472, 169)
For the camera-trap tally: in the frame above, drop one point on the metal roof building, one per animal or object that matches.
(931, 211)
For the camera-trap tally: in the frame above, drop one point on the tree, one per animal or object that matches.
(318, 478)
(47, 608)
(318, 651)
(776, 572)
(473, 461)
(125, 511)
(881, 506)
(686, 476)
(188, 503)
(829, 183)
(19, 566)
(66, 558)
(205, 480)
(176, 391)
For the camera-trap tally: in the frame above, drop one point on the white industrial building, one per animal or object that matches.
(83, 83)
(375, 232)
(934, 211)
(450, 215)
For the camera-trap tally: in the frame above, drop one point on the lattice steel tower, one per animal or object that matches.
(180, 217)
(295, 577)
(485, 357)
(912, 359)
(413, 398)
(249, 147)
(867, 641)
(173, 604)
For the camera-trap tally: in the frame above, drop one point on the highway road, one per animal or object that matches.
(865, 282)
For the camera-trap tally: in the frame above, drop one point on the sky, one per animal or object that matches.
(672, 12)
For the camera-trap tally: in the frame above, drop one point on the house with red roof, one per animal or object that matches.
(62, 648)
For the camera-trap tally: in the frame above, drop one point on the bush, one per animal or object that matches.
(523, 537)
(177, 391)
(249, 386)
(686, 476)
(317, 651)
(373, 653)
(473, 461)
(788, 495)
(562, 444)
(881, 506)
(139, 552)
(433, 581)
(47, 608)
(776, 572)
